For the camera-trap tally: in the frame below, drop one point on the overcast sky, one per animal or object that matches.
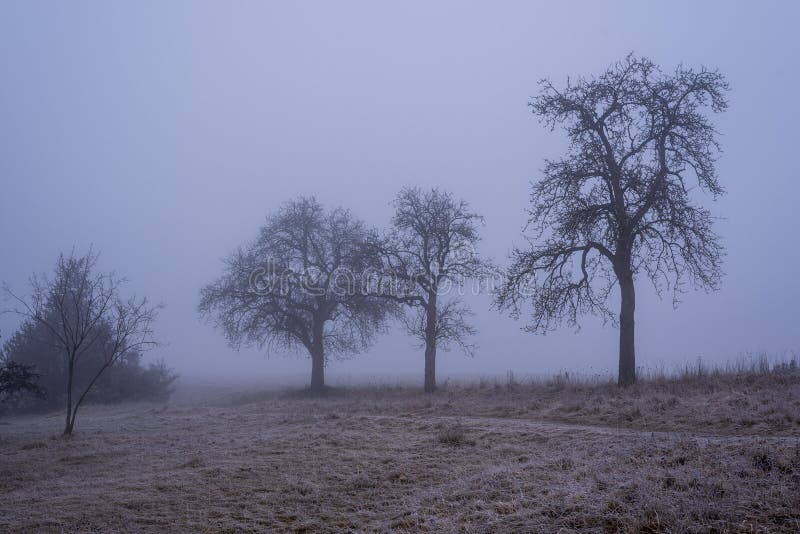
(164, 132)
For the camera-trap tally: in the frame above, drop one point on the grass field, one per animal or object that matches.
(706, 453)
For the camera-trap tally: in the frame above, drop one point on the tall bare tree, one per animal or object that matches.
(299, 285)
(622, 203)
(431, 247)
(82, 311)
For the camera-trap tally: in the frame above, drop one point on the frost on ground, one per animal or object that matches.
(720, 454)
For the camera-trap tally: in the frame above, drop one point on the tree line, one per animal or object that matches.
(620, 206)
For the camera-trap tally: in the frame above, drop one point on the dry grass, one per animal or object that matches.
(698, 454)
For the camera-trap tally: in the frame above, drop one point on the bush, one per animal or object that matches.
(128, 379)
(17, 379)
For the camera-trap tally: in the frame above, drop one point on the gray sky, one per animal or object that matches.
(164, 132)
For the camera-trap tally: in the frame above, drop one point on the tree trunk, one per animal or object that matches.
(430, 344)
(70, 419)
(317, 371)
(86, 391)
(627, 352)
(318, 358)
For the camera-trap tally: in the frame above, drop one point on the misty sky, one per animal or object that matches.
(164, 132)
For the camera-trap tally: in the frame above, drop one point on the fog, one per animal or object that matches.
(164, 133)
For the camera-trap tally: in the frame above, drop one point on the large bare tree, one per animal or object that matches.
(299, 285)
(623, 203)
(81, 310)
(429, 250)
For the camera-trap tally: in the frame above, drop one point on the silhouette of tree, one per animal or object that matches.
(621, 204)
(430, 246)
(299, 285)
(82, 311)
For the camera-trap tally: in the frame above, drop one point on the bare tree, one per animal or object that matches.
(299, 285)
(430, 247)
(621, 203)
(82, 311)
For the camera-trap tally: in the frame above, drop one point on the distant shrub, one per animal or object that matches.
(127, 379)
(17, 379)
